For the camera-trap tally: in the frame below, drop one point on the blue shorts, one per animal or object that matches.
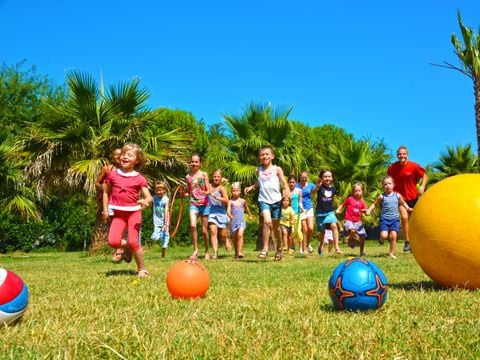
(202, 210)
(274, 209)
(325, 218)
(389, 224)
(163, 236)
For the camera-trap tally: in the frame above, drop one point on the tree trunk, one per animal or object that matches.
(476, 89)
(100, 234)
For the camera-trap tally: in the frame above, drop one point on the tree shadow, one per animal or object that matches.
(123, 272)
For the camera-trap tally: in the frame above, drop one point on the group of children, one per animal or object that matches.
(286, 209)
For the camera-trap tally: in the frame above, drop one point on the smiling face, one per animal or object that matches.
(217, 178)
(128, 159)
(327, 177)
(160, 191)
(266, 156)
(402, 155)
(303, 178)
(195, 163)
(116, 154)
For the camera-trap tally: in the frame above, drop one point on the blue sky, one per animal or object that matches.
(363, 66)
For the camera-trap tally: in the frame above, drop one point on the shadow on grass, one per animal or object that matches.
(120, 272)
(417, 286)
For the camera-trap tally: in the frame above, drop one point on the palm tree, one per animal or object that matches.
(77, 135)
(469, 54)
(259, 125)
(15, 196)
(457, 160)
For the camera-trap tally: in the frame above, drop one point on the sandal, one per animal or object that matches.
(118, 256)
(194, 256)
(239, 256)
(207, 256)
(278, 255)
(142, 273)
(215, 255)
(263, 254)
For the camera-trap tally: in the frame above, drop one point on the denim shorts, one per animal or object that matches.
(274, 209)
(202, 210)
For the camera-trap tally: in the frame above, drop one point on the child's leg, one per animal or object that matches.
(308, 240)
(393, 243)
(277, 234)
(117, 229)
(334, 228)
(330, 246)
(204, 221)
(224, 237)
(284, 236)
(193, 230)
(267, 228)
(134, 224)
(321, 246)
(362, 245)
(214, 237)
(239, 249)
(383, 236)
(165, 241)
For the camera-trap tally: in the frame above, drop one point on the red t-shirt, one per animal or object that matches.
(406, 178)
(125, 189)
(353, 209)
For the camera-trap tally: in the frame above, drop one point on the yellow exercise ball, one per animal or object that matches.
(445, 232)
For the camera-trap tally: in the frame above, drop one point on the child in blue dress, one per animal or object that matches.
(161, 216)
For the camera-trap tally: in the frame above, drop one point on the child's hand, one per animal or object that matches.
(165, 228)
(409, 209)
(250, 217)
(143, 204)
(104, 216)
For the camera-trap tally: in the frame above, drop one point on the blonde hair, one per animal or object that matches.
(160, 185)
(358, 184)
(237, 185)
(387, 177)
(141, 159)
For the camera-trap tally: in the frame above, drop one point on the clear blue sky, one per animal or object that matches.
(361, 65)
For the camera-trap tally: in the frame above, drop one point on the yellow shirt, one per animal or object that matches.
(287, 214)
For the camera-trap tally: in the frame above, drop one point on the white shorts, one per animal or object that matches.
(306, 214)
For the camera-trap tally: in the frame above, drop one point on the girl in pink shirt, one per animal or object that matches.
(122, 196)
(353, 227)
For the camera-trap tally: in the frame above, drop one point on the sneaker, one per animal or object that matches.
(310, 248)
(406, 246)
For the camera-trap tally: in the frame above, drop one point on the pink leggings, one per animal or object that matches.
(125, 220)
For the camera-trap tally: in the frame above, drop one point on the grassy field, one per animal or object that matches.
(87, 308)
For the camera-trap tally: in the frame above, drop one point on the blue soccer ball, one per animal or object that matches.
(357, 284)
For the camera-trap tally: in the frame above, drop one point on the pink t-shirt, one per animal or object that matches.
(353, 209)
(125, 189)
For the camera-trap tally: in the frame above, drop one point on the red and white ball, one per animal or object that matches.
(13, 296)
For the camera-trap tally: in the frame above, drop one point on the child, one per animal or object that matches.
(236, 212)
(389, 213)
(198, 188)
(353, 227)
(287, 222)
(161, 216)
(296, 204)
(217, 218)
(325, 212)
(122, 194)
(270, 177)
(307, 218)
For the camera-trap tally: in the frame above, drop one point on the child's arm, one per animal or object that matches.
(229, 210)
(340, 208)
(250, 188)
(106, 196)
(208, 190)
(300, 200)
(166, 214)
(374, 204)
(404, 203)
(147, 198)
(247, 209)
(224, 196)
(100, 181)
(283, 182)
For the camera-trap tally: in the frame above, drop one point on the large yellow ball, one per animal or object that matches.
(445, 231)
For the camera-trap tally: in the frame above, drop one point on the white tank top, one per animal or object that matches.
(269, 185)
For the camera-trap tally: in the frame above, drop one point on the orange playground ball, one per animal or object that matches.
(188, 279)
(444, 232)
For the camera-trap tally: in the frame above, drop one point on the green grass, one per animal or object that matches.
(87, 308)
